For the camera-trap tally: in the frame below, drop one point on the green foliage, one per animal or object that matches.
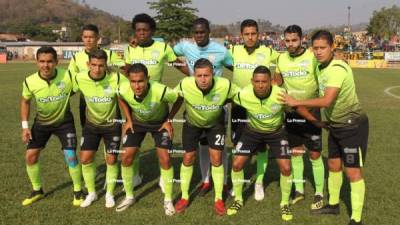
(385, 22)
(174, 18)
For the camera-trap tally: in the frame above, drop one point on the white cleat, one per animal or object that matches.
(90, 198)
(161, 184)
(258, 192)
(125, 204)
(110, 202)
(137, 180)
(169, 208)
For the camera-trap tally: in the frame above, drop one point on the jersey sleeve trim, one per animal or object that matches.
(27, 86)
(162, 96)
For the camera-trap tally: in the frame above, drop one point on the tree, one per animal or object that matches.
(174, 18)
(385, 22)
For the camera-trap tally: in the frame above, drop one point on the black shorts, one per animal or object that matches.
(251, 142)
(238, 122)
(135, 138)
(65, 132)
(191, 135)
(350, 143)
(301, 131)
(92, 135)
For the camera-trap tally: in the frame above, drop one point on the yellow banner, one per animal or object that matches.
(376, 63)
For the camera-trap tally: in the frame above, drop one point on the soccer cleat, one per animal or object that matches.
(181, 205)
(286, 213)
(298, 196)
(258, 192)
(34, 197)
(353, 222)
(317, 203)
(110, 202)
(219, 207)
(161, 184)
(125, 204)
(169, 208)
(78, 198)
(137, 180)
(90, 198)
(327, 209)
(234, 208)
(204, 188)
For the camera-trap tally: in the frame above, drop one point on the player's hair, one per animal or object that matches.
(138, 68)
(91, 27)
(262, 70)
(323, 34)
(248, 23)
(98, 54)
(46, 50)
(202, 21)
(144, 18)
(203, 63)
(294, 29)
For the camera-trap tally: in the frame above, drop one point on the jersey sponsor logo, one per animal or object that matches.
(215, 98)
(300, 73)
(261, 116)
(275, 107)
(146, 111)
(52, 98)
(247, 66)
(96, 99)
(150, 62)
(206, 107)
(260, 57)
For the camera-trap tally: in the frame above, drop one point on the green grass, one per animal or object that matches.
(382, 198)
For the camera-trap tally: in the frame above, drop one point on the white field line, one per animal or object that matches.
(387, 91)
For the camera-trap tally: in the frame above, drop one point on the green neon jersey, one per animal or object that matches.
(153, 108)
(100, 97)
(264, 115)
(51, 96)
(205, 110)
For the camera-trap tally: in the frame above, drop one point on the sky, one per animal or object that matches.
(306, 13)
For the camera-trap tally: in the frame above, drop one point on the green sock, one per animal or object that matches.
(217, 173)
(237, 182)
(34, 175)
(298, 169)
(168, 176)
(186, 176)
(262, 162)
(136, 164)
(127, 178)
(111, 177)
(76, 176)
(357, 199)
(319, 175)
(335, 181)
(89, 176)
(286, 186)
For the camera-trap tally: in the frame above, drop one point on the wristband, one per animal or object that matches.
(25, 124)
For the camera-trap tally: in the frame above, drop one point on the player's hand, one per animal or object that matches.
(320, 124)
(287, 99)
(126, 126)
(168, 127)
(26, 135)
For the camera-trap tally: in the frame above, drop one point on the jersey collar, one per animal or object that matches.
(51, 78)
(324, 65)
(300, 54)
(146, 45)
(209, 90)
(252, 49)
(97, 80)
(141, 99)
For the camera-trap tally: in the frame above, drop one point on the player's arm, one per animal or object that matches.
(228, 61)
(181, 66)
(329, 97)
(277, 79)
(24, 113)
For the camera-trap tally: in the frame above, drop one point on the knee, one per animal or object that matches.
(314, 155)
(164, 162)
(285, 169)
(353, 174)
(111, 159)
(31, 158)
(188, 159)
(237, 166)
(126, 160)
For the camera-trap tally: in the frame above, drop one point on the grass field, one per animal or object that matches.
(382, 195)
